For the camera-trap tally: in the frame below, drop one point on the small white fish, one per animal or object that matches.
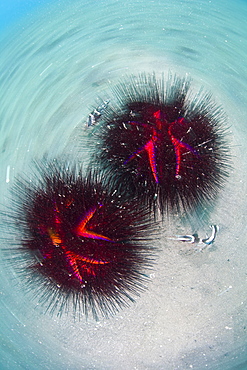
(187, 238)
(211, 239)
(95, 115)
(194, 239)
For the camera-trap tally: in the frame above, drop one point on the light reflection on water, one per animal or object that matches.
(53, 68)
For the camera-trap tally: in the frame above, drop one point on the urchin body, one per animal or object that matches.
(161, 146)
(81, 242)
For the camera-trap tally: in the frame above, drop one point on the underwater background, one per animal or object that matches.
(57, 58)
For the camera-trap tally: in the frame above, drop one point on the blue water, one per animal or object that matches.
(12, 11)
(56, 59)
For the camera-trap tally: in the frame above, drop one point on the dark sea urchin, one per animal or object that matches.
(82, 244)
(161, 144)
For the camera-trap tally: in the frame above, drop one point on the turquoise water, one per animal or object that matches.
(55, 62)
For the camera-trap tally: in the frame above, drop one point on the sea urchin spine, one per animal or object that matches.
(157, 144)
(81, 243)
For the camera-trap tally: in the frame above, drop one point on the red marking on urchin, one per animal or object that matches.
(89, 247)
(149, 147)
(75, 259)
(180, 147)
(80, 263)
(81, 229)
(157, 145)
